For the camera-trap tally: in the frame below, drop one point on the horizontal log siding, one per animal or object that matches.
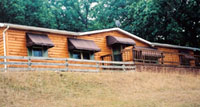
(1, 41)
(170, 57)
(100, 40)
(17, 44)
(1, 45)
(174, 57)
(192, 62)
(60, 50)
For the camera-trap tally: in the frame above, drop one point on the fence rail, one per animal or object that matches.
(21, 63)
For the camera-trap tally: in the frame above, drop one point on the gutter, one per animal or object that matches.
(176, 46)
(4, 46)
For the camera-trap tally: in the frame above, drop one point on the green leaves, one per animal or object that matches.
(168, 21)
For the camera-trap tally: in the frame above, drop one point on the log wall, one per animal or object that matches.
(1, 41)
(1, 45)
(16, 44)
(100, 40)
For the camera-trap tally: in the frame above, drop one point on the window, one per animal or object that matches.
(197, 58)
(76, 55)
(117, 56)
(183, 58)
(82, 55)
(38, 51)
(38, 44)
(184, 61)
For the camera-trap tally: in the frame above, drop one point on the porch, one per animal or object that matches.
(152, 56)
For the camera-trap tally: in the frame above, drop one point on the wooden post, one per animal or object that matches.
(29, 63)
(124, 67)
(98, 66)
(162, 61)
(66, 64)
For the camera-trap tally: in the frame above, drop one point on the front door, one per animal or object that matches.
(117, 56)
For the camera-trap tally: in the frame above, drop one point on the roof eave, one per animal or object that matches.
(176, 46)
(32, 28)
(115, 29)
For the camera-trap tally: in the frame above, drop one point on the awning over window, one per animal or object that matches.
(111, 40)
(81, 44)
(38, 40)
(190, 57)
(149, 52)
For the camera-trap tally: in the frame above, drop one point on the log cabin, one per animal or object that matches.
(112, 44)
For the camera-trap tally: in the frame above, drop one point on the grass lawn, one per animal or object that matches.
(108, 89)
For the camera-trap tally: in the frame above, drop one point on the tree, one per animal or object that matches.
(27, 12)
(12, 11)
(107, 11)
(168, 21)
(72, 14)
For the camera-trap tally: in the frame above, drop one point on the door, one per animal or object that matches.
(117, 56)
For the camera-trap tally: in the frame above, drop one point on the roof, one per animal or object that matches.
(64, 32)
(82, 44)
(175, 46)
(32, 28)
(24, 27)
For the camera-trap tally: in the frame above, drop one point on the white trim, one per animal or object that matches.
(115, 29)
(32, 28)
(175, 46)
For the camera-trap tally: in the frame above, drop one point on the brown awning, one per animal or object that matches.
(149, 52)
(144, 48)
(190, 57)
(152, 54)
(81, 44)
(111, 40)
(38, 40)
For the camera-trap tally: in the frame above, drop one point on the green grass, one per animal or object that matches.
(110, 89)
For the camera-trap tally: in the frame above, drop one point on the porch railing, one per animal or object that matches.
(165, 58)
(20, 63)
(139, 56)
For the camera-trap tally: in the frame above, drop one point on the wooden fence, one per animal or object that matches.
(20, 63)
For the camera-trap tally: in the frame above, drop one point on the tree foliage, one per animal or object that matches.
(167, 21)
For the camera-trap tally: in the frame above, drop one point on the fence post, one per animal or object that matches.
(98, 66)
(66, 64)
(124, 67)
(29, 63)
(162, 58)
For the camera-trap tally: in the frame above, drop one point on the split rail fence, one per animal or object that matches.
(20, 63)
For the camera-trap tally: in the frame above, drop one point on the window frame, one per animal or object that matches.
(31, 51)
(184, 61)
(113, 53)
(91, 54)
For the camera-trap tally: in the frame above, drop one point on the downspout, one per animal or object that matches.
(4, 46)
